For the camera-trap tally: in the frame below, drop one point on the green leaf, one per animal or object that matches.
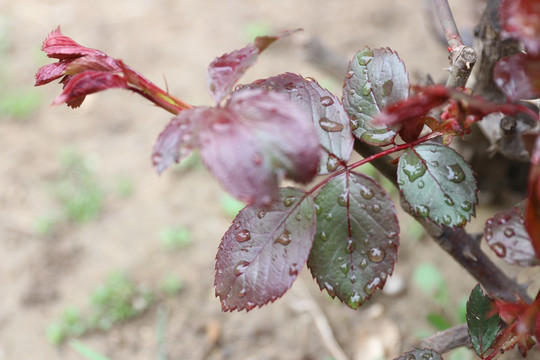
(438, 184)
(438, 321)
(355, 247)
(86, 351)
(483, 325)
(420, 354)
(375, 79)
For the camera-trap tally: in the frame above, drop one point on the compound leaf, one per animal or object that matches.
(375, 79)
(508, 238)
(483, 323)
(327, 113)
(257, 138)
(357, 238)
(438, 184)
(420, 354)
(263, 251)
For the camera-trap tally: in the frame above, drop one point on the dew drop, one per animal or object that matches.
(354, 300)
(448, 200)
(354, 124)
(422, 210)
(421, 184)
(250, 305)
(284, 238)
(509, 232)
(288, 201)
(391, 234)
(332, 163)
(455, 173)
(309, 216)
(323, 236)
(504, 219)
(343, 199)
(298, 217)
(367, 193)
(318, 209)
(240, 267)
(242, 293)
(237, 225)
(351, 246)
(376, 254)
(326, 101)
(499, 249)
(414, 171)
(353, 278)
(293, 269)
(363, 264)
(376, 208)
(466, 206)
(352, 92)
(364, 60)
(329, 125)
(370, 287)
(344, 268)
(261, 214)
(350, 74)
(434, 163)
(366, 89)
(330, 289)
(447, 219)
(243, 235)
(329, 216)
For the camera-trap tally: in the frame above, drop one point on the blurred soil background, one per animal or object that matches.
(90, 235)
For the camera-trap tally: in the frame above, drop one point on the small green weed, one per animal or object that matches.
(175, 238)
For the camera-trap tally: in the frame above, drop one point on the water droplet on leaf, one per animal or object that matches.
(499, 249)
(376, 208)
(326, 101)
(329, 216)
(243, 235)
(350, 74)
(363, 264)
(422, 210)
(343, 199)
(329, 125)
(242, 293)
(367, 193)
(353, 278)
(466, 206)
(261, 214)
(350, 246)
(332, 163)
(250, 305)
(240, 267)
(366, 89)
(354, 300)
(288, 201)
(455, 173)
(448, 200)
(447, 219)
(344, 268)
(421, 184)
(284, 238)
(298, 217)
(414, 171)
(323, 236)
(509, 232)
(370, 287)
(318, 209)
(330, 289)
(376, 254)
(354, 124)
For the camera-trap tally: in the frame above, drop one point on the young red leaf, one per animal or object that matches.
(180, 137)
(518, 76)
(532, 210)
(225, 70)
(521, 19)
(508, 238)
(86, 83)
(355, 247)
(62, 47)
(257, 138)
(375, 79)
(327, 113)
(263, 251)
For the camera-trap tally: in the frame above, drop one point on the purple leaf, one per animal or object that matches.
(263, 251)
(256, 139)
(225, 70)
(180, 137)
(521, 19)
(357, 238)
(375, 79)
(508, 238)
(518, 76)
(327, 113)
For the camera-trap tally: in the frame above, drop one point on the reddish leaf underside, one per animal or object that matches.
(375, 79)
(86, 83)
(508, 238)
(532, 210)
(327, 113)
(255, 140)
(355, 247)
(518, 76)
(180, 137)
(263, 251)
(227, 69)
(521, 19)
